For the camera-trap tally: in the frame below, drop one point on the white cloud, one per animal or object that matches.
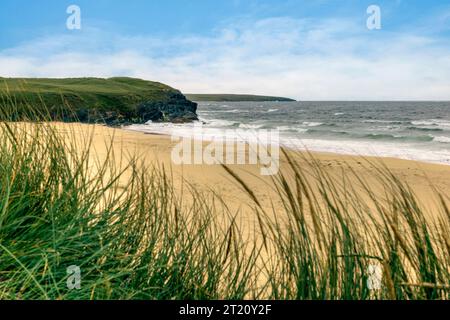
(304, 59)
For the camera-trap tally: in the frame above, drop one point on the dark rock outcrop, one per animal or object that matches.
(176, 109)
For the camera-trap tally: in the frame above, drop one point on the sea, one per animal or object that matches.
(407, 130)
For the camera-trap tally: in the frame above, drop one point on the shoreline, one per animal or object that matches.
(155, 151)
(304, 150)
(292, 144)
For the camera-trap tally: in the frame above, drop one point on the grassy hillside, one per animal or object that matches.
(89, 99)
(233, 97)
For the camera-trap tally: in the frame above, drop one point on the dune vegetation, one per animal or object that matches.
(135, 237)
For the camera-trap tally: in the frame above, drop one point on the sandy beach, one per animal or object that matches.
(155, 150)
(249, 216)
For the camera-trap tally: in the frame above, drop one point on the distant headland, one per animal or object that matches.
(234, 97)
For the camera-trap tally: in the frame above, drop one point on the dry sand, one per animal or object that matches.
(156, 150)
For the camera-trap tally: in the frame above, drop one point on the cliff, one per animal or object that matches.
(113, 101)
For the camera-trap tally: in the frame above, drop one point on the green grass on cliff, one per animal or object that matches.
(233, 97)
(83, 95)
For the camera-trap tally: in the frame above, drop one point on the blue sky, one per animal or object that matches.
(306, 49)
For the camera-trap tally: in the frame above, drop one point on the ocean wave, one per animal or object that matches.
(286, 128)
(371, 136)
(250, 126)
(424, 123)
(383, 136)
(386, 122)
(220, 123)
(327, 132)
(231, 111)
(376, 148)
(312, 124)
(291, 129)
(432, 122)
(273, 110)
(425, 129)
(442, 139)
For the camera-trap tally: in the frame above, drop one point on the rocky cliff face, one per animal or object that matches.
(175, 109)
(114, 101)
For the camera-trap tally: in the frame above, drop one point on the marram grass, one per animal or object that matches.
(134, 237)
(131, 240)
(330, 236)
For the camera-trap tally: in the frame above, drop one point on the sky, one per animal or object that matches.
(303, 49)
